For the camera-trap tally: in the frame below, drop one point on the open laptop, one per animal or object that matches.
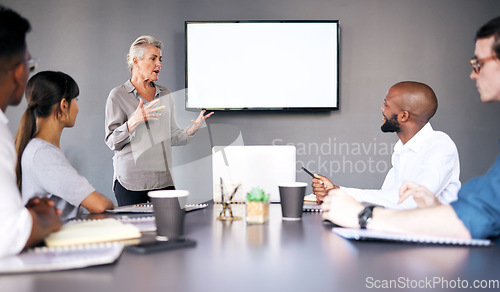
(251, 166)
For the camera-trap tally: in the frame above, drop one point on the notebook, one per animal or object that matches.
(146, 223)
(363, 234)
(45, 259)
(148, 208)
(92, 231)
(313, 208)
(263, 166)
(311, 198)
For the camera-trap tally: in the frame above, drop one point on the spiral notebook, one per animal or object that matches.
(148, 208)
(144, 223)
(311, 205)
(312, 208)
(92, 231)
(363, 234)
(45, 259)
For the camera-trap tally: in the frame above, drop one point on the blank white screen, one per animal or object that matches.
(262, 65)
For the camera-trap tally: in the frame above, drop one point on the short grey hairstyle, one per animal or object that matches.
(137, 48)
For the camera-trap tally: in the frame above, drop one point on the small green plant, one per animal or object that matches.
(257, 195)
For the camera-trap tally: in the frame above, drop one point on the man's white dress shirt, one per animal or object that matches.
(15, 219)
(430, 158)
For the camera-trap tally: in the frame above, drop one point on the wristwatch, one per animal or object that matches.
(365, 216)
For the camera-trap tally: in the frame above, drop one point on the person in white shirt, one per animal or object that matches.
(422, 155)
(20, 226)
(476, 212)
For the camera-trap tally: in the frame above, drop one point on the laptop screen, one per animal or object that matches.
(252, 166)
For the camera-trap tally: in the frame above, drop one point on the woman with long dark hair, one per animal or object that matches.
(42, 168)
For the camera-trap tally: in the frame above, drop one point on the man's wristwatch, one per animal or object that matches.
(365, 216)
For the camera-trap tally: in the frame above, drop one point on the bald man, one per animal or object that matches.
(476, 212)
(422, 155)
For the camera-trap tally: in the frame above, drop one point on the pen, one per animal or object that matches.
(308, 172)
(223, 199)
(222, 190)
(311, 174)
(234, 192)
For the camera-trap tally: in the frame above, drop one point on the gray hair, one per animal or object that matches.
(137, 48)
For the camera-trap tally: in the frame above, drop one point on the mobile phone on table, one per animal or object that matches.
(157, 246)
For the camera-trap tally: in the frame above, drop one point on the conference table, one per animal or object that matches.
(279, 255)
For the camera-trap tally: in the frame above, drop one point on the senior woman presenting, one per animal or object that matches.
(141, 127)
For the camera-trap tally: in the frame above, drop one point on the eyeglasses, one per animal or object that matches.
(477, 64)
(32, 64)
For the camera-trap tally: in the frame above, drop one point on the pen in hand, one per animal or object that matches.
(312, 174)
(308, 172)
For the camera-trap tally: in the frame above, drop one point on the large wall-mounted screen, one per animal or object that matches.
(262, 65)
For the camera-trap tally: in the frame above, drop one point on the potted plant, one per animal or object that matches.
(257, 206)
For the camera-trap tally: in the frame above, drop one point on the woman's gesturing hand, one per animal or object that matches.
(144, 113)
(198, 122)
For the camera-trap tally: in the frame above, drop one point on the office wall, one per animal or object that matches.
(382, 42)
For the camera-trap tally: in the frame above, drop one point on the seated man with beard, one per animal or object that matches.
(422, 155)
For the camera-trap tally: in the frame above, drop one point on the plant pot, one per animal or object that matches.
(257, 212)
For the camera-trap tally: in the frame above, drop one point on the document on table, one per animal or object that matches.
(44, 259)
(363, 234)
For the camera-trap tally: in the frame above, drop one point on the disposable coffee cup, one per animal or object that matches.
(168, 208)
(292, 200)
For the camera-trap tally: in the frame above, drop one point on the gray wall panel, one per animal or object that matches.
(382, 42)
